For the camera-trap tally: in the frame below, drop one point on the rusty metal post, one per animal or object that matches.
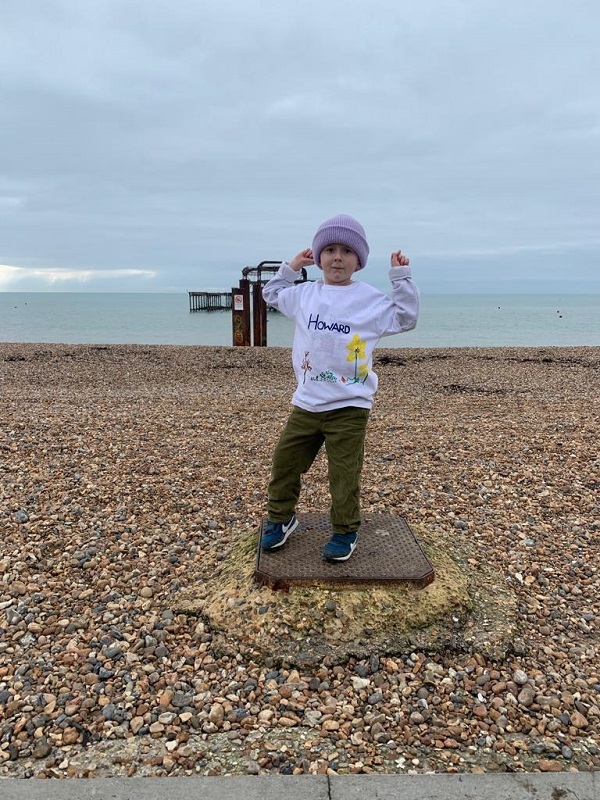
(259, 316)
(240, 313)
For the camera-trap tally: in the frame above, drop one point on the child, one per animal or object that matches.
(338, 323)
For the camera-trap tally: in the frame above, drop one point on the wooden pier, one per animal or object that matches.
(246, 303)
(210, 301)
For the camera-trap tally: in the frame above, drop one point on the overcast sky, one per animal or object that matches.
(150, 145)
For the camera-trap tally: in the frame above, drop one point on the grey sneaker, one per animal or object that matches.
(276, 533)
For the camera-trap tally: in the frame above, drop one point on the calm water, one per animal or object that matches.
(446, 320)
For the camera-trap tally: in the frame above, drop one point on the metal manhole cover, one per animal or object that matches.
(387, 552)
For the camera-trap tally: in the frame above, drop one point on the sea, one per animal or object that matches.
(467, 320)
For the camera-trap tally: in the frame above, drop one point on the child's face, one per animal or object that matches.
(339, 263)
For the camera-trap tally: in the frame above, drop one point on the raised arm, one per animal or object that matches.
(285, 278)
(402, 311)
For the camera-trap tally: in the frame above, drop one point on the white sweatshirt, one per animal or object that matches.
(337, 329)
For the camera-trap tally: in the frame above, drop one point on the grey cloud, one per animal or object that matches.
(195, 138)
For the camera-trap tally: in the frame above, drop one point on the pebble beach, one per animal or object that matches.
(128, 471)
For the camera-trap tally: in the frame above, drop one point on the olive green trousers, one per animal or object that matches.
(343, 433)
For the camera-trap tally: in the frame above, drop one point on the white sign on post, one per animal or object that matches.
(238, 302)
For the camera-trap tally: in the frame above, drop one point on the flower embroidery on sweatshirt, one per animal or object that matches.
(357, 354)
(326, 376)
(306, 365)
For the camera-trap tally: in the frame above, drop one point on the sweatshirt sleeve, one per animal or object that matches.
(274, 291)
(400, 311)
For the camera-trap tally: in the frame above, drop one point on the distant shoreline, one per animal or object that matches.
(445, 321)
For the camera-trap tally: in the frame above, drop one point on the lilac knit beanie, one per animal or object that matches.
(341, 229)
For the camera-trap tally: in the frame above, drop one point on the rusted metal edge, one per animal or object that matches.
(350, 584)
